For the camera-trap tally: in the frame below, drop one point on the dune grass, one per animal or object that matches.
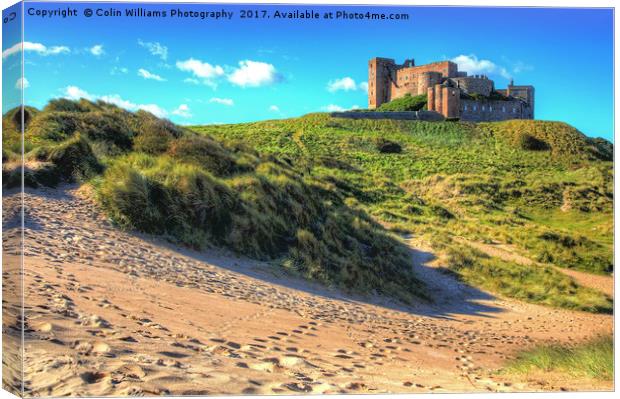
(592, 359)
(153, 176)
(531, 283)
(315, 193)
(474, 181)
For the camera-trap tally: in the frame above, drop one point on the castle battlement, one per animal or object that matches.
(450, 92)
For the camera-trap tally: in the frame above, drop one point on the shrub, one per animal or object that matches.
(270, 212)
(206, 152)
(144, 122)
(601, 149)
(52, 126)
(405, 103)
(27, 117)
(112, 127)
(64, 105)
(530, 143)
(152, 141)
(442, 212)
(388, 147)
(74, 159)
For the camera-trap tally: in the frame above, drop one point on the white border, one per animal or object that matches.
(470, 3)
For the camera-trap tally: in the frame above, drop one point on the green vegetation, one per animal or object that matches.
(493, 96)
(326, 197)
(544, 285)
(452, 183)
(593, 359)
(155, 177)
(405, 103)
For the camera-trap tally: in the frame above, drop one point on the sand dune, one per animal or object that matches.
(114, 313)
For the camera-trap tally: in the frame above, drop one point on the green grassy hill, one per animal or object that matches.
(327, 198)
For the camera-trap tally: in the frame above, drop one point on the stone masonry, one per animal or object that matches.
(450, 92)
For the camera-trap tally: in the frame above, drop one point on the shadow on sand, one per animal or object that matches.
(450, 297)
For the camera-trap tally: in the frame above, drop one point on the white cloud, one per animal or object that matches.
(224, 101)
(338, 108)
(472, 65)
(22, 83)
(12, 50)
(155, 48)
(253, 74)
(202, 70)
(36, 47)
(97, 50)
(76, 93)
(346, 84)
(183, 111)
(148, 75)
(191, 81)
(274, 108)
(333, 108)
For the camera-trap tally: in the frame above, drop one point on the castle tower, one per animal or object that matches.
(444, 99)
(379, 70)
(523, 92)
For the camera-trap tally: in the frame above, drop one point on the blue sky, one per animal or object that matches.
(197, 71)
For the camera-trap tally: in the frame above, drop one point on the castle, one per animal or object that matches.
(449, 92)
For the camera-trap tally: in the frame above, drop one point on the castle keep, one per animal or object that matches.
(449, 91)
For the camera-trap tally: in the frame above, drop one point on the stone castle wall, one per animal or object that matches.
(414, 84)
(388, 80)
(474, 85)
(485, 111)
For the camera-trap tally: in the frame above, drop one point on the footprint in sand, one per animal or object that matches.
(132, 372)
(45, 327)
(100, 348)
(93, 377)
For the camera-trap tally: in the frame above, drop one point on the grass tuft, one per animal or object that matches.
(592, 359)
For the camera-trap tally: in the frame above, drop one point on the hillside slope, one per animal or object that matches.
(315, 194)
(543, 188)
(158, 178)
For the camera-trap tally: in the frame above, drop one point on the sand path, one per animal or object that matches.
(114, 313)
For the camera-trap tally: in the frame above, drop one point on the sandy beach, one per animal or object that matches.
(115, 313)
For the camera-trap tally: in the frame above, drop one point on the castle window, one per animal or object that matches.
(483, 107)
(503, 109)
(514, 110)
(475, 107)
(465, 107)
(490, 109)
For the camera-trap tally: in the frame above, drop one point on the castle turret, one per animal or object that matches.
(379, 70)
(445, 99)
(522, 92)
